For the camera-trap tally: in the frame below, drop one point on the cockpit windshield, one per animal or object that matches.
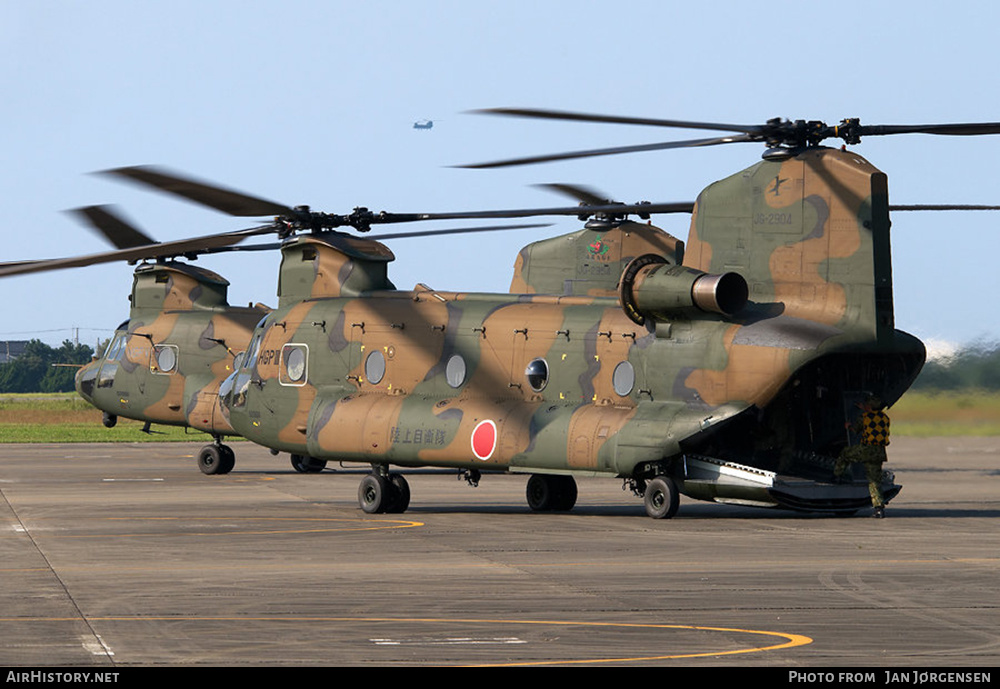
(116, 348)
(250, 358)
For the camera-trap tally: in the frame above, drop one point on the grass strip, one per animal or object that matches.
(66, 418)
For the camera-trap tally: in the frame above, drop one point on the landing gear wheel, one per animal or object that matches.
(109, 420)
(307, 465)
(548, 492)
(216, 459)
(539, 493)
(228, 459)
(661, 498)
(565, 493)
(400, 490)
(374, 494)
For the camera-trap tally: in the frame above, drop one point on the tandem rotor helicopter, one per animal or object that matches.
(723, 368)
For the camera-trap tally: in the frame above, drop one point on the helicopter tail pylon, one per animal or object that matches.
(810, 234)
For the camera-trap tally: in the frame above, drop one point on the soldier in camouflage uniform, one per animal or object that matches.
(873, 426)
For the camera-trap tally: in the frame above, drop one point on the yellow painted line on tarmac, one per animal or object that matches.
(790, 640)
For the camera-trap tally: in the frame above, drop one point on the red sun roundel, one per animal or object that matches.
(484, 439)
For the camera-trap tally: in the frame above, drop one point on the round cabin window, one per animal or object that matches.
(623, 378)
(375, 367)
(295, 363)
(537, 374)
(166, 359)
(455, 371)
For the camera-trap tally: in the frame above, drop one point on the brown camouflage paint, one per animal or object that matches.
(809, 234)
(179, 306)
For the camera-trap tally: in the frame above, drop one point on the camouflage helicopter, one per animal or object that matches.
(723, 368)
(165, 363)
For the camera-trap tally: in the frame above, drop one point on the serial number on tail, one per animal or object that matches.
(773, 219)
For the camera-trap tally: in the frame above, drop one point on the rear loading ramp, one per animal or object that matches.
(715, 480)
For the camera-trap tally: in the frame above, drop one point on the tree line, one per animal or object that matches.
(974, 367)
(34, 369)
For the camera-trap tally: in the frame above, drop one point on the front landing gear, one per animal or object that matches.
(383, 493)
(216, 459)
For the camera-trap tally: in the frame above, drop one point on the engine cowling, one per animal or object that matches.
(650, 287)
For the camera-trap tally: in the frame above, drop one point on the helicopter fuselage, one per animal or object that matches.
(620, 350)
(165, 364)
(726, 367)
(531, 383)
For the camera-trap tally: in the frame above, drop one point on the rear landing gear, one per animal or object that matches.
(216, 459)
(547, 492)
(661, 498)
(384, 493)
(307, 465)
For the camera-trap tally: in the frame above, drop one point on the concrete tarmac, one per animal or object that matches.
(115, 555)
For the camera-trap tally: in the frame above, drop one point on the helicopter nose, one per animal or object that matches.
(86, 379)
(226, 393)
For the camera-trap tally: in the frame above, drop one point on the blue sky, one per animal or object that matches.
(310, 102)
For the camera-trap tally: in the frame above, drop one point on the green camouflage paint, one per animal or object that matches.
(808, 234)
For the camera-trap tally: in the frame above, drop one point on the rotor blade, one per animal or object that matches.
(12, 264)
(943, 207)
(584, 195)
(972, 129)
(110, 225)
(270, 246)
(163, 250)
(676, 207)
(596, 209)
(541, 114)
(225, 200)
(614, 208)
(459, 230)
(689, 143)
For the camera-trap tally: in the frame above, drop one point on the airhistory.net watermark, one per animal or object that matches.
(49, 677)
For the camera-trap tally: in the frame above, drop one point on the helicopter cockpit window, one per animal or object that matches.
(243, 364)
(250, 358)
(294, 362)
(240, 387)
(375, 367)
(117, 347)
(115, 351)
(537, 374)
(164, 359)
